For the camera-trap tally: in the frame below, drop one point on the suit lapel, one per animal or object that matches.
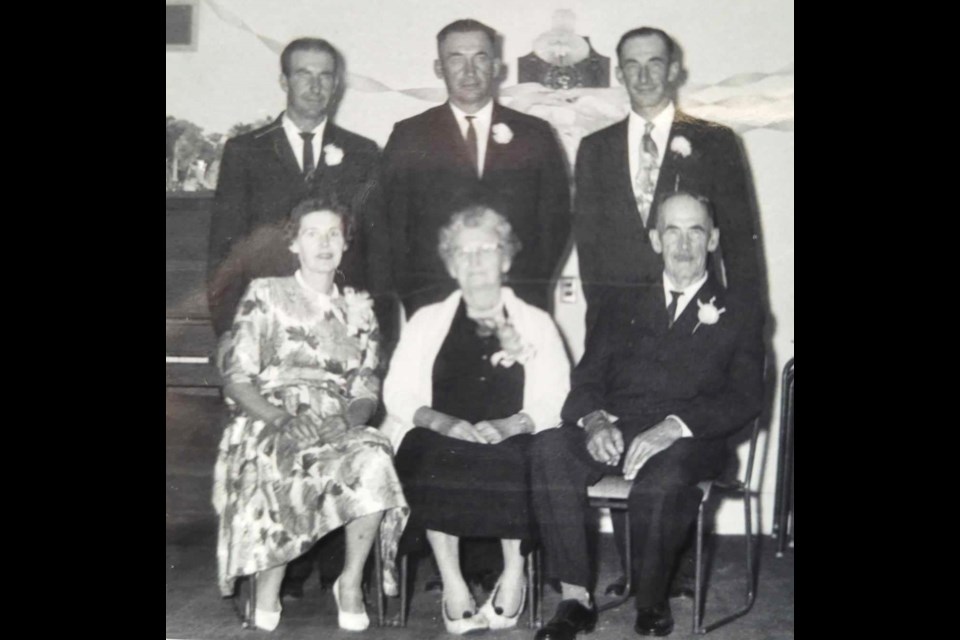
(451, 138)
(282, 151)
(493, 149)
(619, 167)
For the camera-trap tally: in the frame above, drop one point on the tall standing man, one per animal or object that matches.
(264, 173)
(669, 371)
(622, 169)
(472, 148)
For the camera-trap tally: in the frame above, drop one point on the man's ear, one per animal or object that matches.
(438, 68)
(505, 263)
(619, 74)
(655, 240)
(673, 72)
(714, 241)
(284, 83)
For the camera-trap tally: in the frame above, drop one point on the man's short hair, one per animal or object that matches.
(467, 25)
(649, 31)
(704, 200)
(308, 44)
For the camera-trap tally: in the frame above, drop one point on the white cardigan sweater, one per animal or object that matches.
(409, 382)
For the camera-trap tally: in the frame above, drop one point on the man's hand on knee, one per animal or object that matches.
(604, 440)
(648, 444)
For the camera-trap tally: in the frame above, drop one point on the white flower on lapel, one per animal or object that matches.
(707, 313)
(681, 146)
(332, 155)
(501, 133)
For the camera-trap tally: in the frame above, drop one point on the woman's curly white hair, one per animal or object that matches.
(473, 217)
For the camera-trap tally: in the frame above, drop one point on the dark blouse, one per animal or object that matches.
(465, 384)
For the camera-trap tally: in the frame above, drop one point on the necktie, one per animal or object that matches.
(646, 180)
(472, 144)
(672, 307)
(308, 163)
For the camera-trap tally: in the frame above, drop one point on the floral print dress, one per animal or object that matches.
(313, 355)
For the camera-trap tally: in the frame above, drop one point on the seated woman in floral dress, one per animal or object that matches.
(296, 460)
(472, 378)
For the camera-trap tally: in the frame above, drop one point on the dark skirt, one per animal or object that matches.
(465, 489)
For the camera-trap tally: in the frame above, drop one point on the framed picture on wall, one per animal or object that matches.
(182, 25)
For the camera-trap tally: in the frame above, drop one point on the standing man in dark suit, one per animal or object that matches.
(264, 173)
(472, 148)
(670, 369)
(657, 150)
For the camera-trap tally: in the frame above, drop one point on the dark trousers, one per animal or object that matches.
(663, 504)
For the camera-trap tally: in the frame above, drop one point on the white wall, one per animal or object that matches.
(232, 77)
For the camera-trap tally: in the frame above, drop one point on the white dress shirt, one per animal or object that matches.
(296, 142)
(660, 134)
(482, 121)
(688, 293)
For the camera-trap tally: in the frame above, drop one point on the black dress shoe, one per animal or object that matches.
(655, 621)
(571, 618)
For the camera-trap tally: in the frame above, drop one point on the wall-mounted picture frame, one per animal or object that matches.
(182, 17)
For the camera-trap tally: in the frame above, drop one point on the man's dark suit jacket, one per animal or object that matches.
(613, 246)
(428, 173)
(638, 368)
(260, 182)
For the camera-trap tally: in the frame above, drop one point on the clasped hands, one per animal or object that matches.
(605, 442)
(483, 432)
(308, 427)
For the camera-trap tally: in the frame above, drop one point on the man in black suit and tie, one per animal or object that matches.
(473, 149)
(670, 369)
(264, 173)
(657, 150)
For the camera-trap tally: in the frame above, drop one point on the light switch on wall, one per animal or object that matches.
(568, 290)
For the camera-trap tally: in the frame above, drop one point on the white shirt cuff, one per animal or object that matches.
(612, 419)
(684, 429)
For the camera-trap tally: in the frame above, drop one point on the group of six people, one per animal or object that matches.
(486, 432)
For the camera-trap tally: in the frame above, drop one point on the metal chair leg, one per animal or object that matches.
(628, 562)
(698, 584)
(249, 615)
(534, 588)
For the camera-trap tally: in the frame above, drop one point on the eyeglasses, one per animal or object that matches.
(487, 250)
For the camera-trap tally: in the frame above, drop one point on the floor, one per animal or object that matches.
(195, 610)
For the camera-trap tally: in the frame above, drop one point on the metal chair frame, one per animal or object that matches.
(783, 506)
(611, 492)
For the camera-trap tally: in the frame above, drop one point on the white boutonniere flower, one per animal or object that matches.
(681, 146)
(707, 313)
(332, 155)
(502, 134)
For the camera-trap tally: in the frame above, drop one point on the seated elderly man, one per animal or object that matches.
(667, 373)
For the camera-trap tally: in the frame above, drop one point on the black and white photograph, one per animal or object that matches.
(479, 319)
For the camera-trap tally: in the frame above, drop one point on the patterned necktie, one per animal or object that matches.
(646, 180)
(672, 307)
(472, 144)
(308, 163)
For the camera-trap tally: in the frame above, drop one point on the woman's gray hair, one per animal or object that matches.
(473, 216)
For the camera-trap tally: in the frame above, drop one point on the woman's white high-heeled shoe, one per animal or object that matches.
(494, 614)
(469, 622)
(266, 620)
(346, 620)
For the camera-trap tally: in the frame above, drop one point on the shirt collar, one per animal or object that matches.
(323, 297)
(661, 122)
(483, 116)
(293, 131)
(689, 291)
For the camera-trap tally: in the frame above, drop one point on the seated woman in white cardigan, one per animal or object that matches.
(471, 380)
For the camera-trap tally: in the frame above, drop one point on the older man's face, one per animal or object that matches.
(647, 73)
(468, 66)
(310, 86)
(684, 235)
